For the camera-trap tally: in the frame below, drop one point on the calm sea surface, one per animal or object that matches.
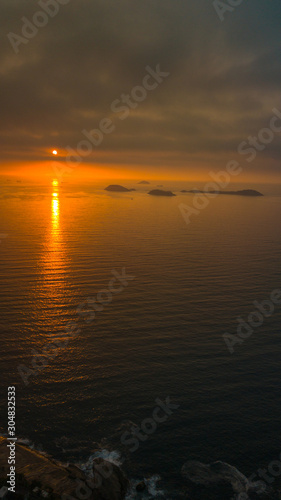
(161, 336)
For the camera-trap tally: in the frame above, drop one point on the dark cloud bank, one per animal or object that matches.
(224, 77)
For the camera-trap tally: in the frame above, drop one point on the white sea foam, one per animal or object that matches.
(151, 490)
(111, 456)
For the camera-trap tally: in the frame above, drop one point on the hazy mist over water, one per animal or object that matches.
(161, 336)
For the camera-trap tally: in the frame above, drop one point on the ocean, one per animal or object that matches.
(138, 344)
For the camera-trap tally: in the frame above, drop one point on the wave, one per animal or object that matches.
(151, 489)
(111, 456)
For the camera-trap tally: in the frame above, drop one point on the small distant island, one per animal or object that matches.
(118, 189)
(243, 192)
(159, 192)
(143, 182)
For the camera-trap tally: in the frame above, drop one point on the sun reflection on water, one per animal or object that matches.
(55, 214)
(55, 243)
(53, 270)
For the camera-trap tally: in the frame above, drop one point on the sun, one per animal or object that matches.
(54, 152)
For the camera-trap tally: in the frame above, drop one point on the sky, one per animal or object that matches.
(221, 83)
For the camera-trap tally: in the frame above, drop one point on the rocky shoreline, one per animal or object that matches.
(40, 476)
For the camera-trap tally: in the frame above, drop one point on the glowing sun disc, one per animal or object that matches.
(55, 152)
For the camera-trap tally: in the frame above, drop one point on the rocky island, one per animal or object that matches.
(143, 182)
(221, 481)
(159, 192)
(243, 192)
(116, 188)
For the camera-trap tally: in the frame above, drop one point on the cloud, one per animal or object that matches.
(224, 77)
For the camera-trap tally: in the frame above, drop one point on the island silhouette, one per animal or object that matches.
(116, 188)
(243, 192)
(159, 192)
